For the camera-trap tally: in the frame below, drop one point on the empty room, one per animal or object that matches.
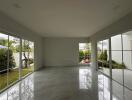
(65, 49)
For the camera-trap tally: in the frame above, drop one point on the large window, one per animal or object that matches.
(116, 56)
(16, 59)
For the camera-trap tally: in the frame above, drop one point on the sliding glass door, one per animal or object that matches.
(16, 59)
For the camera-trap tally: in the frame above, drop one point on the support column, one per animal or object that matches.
(94, 55)
(94, 69)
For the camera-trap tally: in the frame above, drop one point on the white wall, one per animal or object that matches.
(61, 51)
(7, 25)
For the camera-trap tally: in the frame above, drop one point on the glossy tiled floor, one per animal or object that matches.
(71, 83)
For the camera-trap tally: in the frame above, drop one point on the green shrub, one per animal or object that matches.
(115, 65)
(30, 60)
(103, 55)
(4, 59)
(81, 55)
(88, 54)
(102, 62)
(12, 63)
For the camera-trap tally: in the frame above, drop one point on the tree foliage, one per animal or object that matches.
(103, 55)
(84, 54)
(26, 49)
(14, 46)
(4, 42)
(4, 59)
(81, 55)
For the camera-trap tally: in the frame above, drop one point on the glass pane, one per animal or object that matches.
(106, 44)
(100, 50)
(127, 61)
(26, 53)
(127, 41)
(116, 42)
(14, 56)
(31, 56)
(103, 56)
(3, 60)
(117, 66)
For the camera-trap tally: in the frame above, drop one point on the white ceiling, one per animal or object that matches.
(66, 18)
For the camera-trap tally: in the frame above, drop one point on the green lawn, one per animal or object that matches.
(13, 76)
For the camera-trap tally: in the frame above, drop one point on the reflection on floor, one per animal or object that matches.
(71, 83)
(118, 76)
(85, 78)
(20, 91)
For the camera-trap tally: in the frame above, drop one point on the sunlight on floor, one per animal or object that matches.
(85, 80)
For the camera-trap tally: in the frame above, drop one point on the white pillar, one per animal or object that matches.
(94, 69)
(94, 54)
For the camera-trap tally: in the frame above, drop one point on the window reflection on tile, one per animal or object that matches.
(85, 78)
(103, 87)
(117, 91)
(27, 89)
(13, 93)
(23, 90)
(120, 93)
(128, 94)
(100, 79)
(127, 78)
(3, 96)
